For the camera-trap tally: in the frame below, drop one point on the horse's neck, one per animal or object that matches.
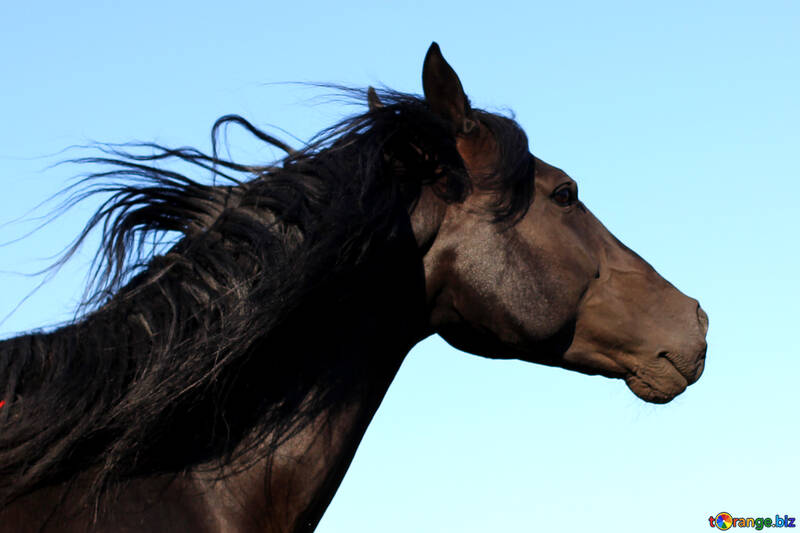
(290, 488)
(364, 332)
(286, 492)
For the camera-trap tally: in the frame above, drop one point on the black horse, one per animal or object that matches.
(225, 384)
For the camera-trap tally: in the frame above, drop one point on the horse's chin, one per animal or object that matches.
(658, 383)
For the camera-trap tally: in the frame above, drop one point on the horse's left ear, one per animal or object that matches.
(372, 99)
(444, 93)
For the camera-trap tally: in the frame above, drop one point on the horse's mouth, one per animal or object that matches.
(657, 379)
(662, 379)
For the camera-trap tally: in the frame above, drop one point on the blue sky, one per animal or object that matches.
(680, 123)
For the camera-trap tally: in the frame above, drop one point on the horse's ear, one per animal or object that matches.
(372, 99)
(444, 93)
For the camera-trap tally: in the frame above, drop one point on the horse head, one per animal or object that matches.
(553, 285)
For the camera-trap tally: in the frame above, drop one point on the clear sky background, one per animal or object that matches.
(680, 123)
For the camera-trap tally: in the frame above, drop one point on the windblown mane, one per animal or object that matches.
(161, 374)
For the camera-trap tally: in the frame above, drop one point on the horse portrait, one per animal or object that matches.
(222, 381)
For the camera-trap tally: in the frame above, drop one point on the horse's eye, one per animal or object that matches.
(564, 195)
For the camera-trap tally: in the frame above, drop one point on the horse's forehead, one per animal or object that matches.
(545, 172)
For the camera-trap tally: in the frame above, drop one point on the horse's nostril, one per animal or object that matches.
(702, 317)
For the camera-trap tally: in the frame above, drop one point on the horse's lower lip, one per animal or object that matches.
(648, 392)
(658, 388)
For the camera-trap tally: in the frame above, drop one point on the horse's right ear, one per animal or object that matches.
(444, 93)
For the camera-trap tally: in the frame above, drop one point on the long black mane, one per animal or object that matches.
(159, 376)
